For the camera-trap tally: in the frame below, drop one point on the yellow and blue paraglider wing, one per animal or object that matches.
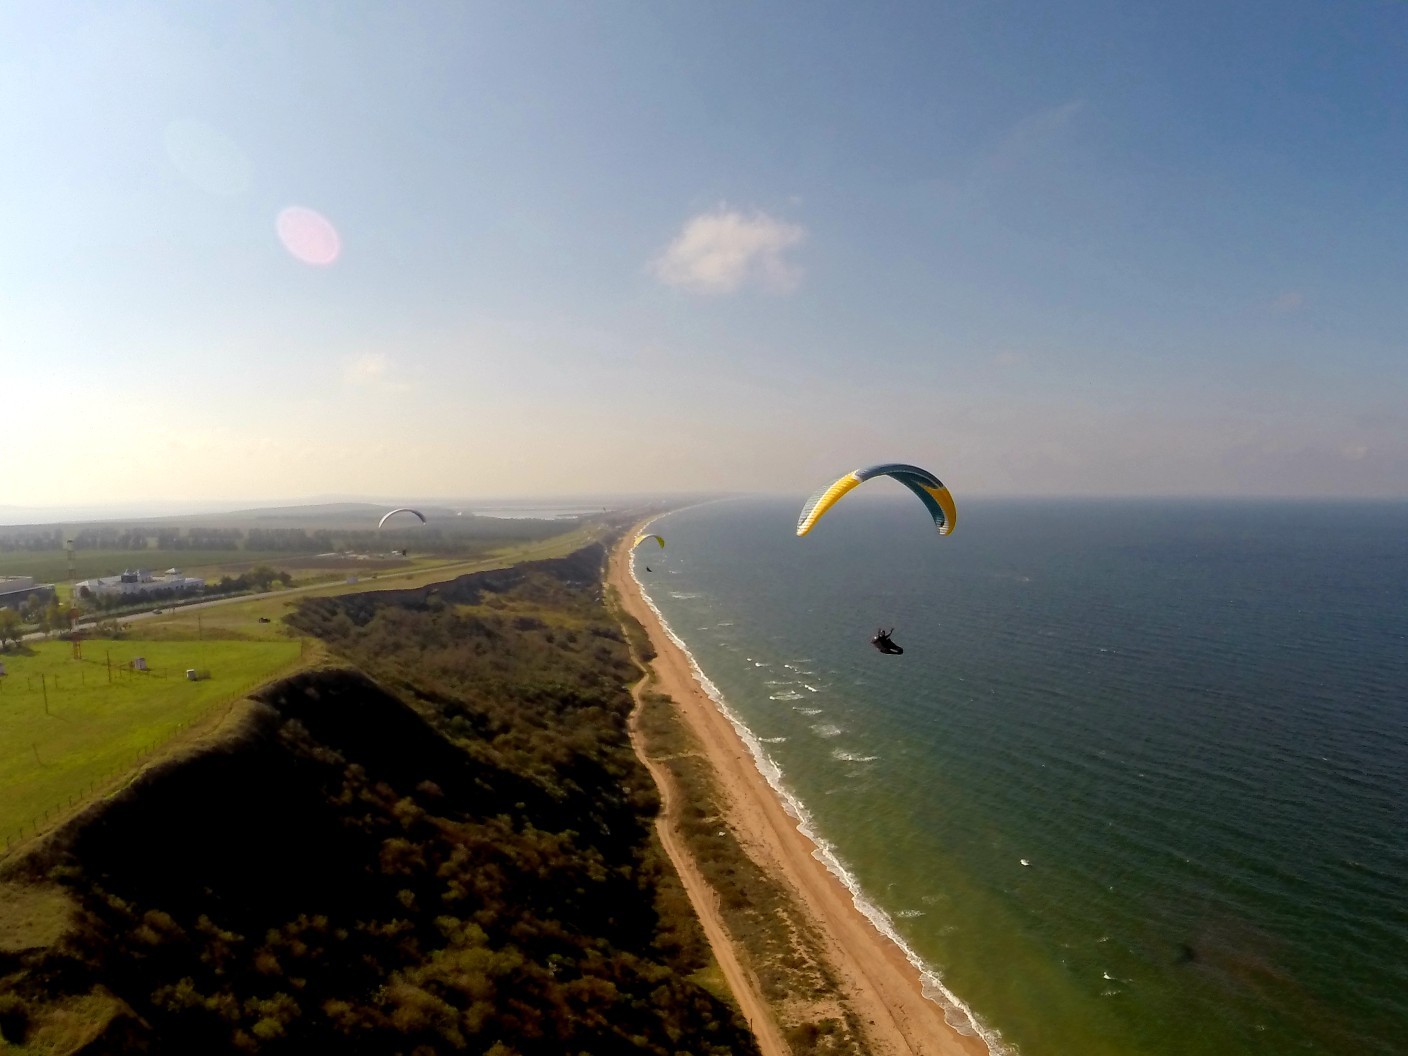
(823, 500)
(644, 536)
(929, 488)
(925, 485)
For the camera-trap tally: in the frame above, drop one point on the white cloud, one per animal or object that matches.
(1033, 136)
(722, 250)
(371, 368)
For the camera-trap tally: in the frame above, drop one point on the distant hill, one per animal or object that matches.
(334, 511)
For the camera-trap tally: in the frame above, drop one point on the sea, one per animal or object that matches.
(1138, 783)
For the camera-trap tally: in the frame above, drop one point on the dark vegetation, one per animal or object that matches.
(260, 577)
(448, 850)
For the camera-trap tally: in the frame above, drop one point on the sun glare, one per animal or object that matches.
(308, 235)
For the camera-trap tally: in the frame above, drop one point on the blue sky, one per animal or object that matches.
(267, 251)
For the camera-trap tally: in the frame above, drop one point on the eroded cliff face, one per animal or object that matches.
(447, 847)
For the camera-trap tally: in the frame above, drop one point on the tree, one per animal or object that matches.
(261, 577)
(9, 626)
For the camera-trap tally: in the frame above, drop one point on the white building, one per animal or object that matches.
(138, 582)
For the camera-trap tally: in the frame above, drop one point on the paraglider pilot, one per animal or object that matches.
(882, 642)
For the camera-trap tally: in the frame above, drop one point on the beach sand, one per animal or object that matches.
(876, 979)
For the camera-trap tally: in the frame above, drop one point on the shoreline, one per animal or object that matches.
(877, 976)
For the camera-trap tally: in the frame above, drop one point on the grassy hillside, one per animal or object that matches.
(454, 854)
(67, 725)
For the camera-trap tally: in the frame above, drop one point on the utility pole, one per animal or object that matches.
(72, 580)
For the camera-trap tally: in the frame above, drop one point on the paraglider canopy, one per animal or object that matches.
(643, 537)
(400, 509)
(924, 484)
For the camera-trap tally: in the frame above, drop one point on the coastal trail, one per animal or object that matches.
(745, 987)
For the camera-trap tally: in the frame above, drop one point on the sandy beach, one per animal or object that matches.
(875, 977)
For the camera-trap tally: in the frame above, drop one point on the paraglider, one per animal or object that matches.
(400, 509)
(882, 642)
(643, 537)
(925, 485)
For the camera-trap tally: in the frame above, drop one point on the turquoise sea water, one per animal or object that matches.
(1189, 718)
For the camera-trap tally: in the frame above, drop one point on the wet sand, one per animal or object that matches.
(877, 980)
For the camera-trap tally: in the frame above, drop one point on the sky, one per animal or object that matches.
(266, 251)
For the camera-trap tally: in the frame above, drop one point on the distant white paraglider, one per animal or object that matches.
(400, 509)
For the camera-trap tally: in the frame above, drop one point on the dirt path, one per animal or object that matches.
(745, 988)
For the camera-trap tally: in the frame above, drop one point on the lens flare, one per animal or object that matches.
(308, 235)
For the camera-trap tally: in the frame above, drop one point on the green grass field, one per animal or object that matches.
(51, 566)
(67, 726)
(95, 731)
